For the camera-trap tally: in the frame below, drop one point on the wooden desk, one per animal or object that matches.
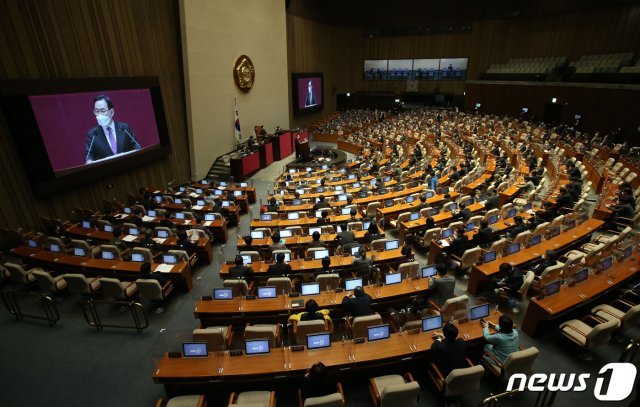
(233, 210)
(303, 222)
(298, 241)
(508, 194)
(579, 295)
(392, 212)
(297, 265)
(524, 256)
(212, 312)
(414, 226)
(607, 199)
(176, 373)
(202, 248)
(180, 273)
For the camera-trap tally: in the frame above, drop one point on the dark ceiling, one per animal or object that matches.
(422, 17)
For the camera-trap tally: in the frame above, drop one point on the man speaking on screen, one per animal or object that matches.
(311, 97)
(109, 137)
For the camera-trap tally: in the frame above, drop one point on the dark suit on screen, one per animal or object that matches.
(98, 147)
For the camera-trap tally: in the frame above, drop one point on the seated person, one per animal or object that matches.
(519, 227)
(277, 244)
(116, 240)
(449, 351)
(183, 241)
(548, 260)
(321, 204)
(484, 237)
(502, 343)
(442, 287)
(358, 304)
(372, 233)
(360, 261)
(272, 206)
(459, 244)
(423, 203)
(317, 383)
(316, 242)
(346, 236)
(249, 246)
(464, 214)
(239, 270)
(280, 268)
(311, 313)
(407, 247)
(324, 220)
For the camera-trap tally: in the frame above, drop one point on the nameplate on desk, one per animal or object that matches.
(250, 297)
(294, 294)
(358, 340)
(235, 353)
(297, 348)
(339, 290)
(174, 354)
(207, 298)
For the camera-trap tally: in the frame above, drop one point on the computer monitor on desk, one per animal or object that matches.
(310, 289)
(256, 347)
(350, 284)
(431, 323)
(478, 312)
(257, 234)
(489, 256)
(318, 341)
(552, 288)
(195, 350)
(378, 332)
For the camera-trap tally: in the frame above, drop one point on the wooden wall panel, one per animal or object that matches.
(59, 39)
(339, 52)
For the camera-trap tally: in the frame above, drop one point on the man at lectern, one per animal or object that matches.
(109, 137)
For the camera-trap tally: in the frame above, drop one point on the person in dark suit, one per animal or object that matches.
(316, 242)
(239, 270)
(484, 237)
(280, 268)
(346, 236)
(548, 260)
(317, 382)
(459, 244)
(449, 351)
(464, 214)
(492, 201)
(358, 304)
(324, 220)
(310, 100)
(519, 227)
(321, 204)
(108, 137)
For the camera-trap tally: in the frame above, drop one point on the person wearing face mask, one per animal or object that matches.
(109, 137)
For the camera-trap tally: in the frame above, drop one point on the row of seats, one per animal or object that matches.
(149, 289)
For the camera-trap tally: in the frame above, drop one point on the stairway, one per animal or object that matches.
(219, 170)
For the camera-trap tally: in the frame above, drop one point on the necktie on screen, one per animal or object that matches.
(112, 140)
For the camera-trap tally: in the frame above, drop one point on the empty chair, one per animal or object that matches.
(181, 255)
(265, 231)
(47, 283)
(327, 229)
(17, 274)
(588, 336)
(378, 244)
(162, 230)
(354, 226)
(518, 362)
(498, 246)
(253, 398)
(183, 401)
(146, 254)
(330, 400)
(453, 309)
(328, 281)
(303, 328)
(82, 244)
(624, 313)
(56, 241)
(409, 269)
(458, 381)
(150, 289)
(468, 259)
(429, 235)
(295, 230)
(79, 284)
(217, 337)
(263, 331)
(394, 390)
(255, 256)
(359, 325)
(403, 217)
(490, 213)
(118, 290)
(283, 284)
(113, 250)
(239, 286)
(522, 237)
(372, 209)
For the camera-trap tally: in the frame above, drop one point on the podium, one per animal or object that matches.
(302, 149)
